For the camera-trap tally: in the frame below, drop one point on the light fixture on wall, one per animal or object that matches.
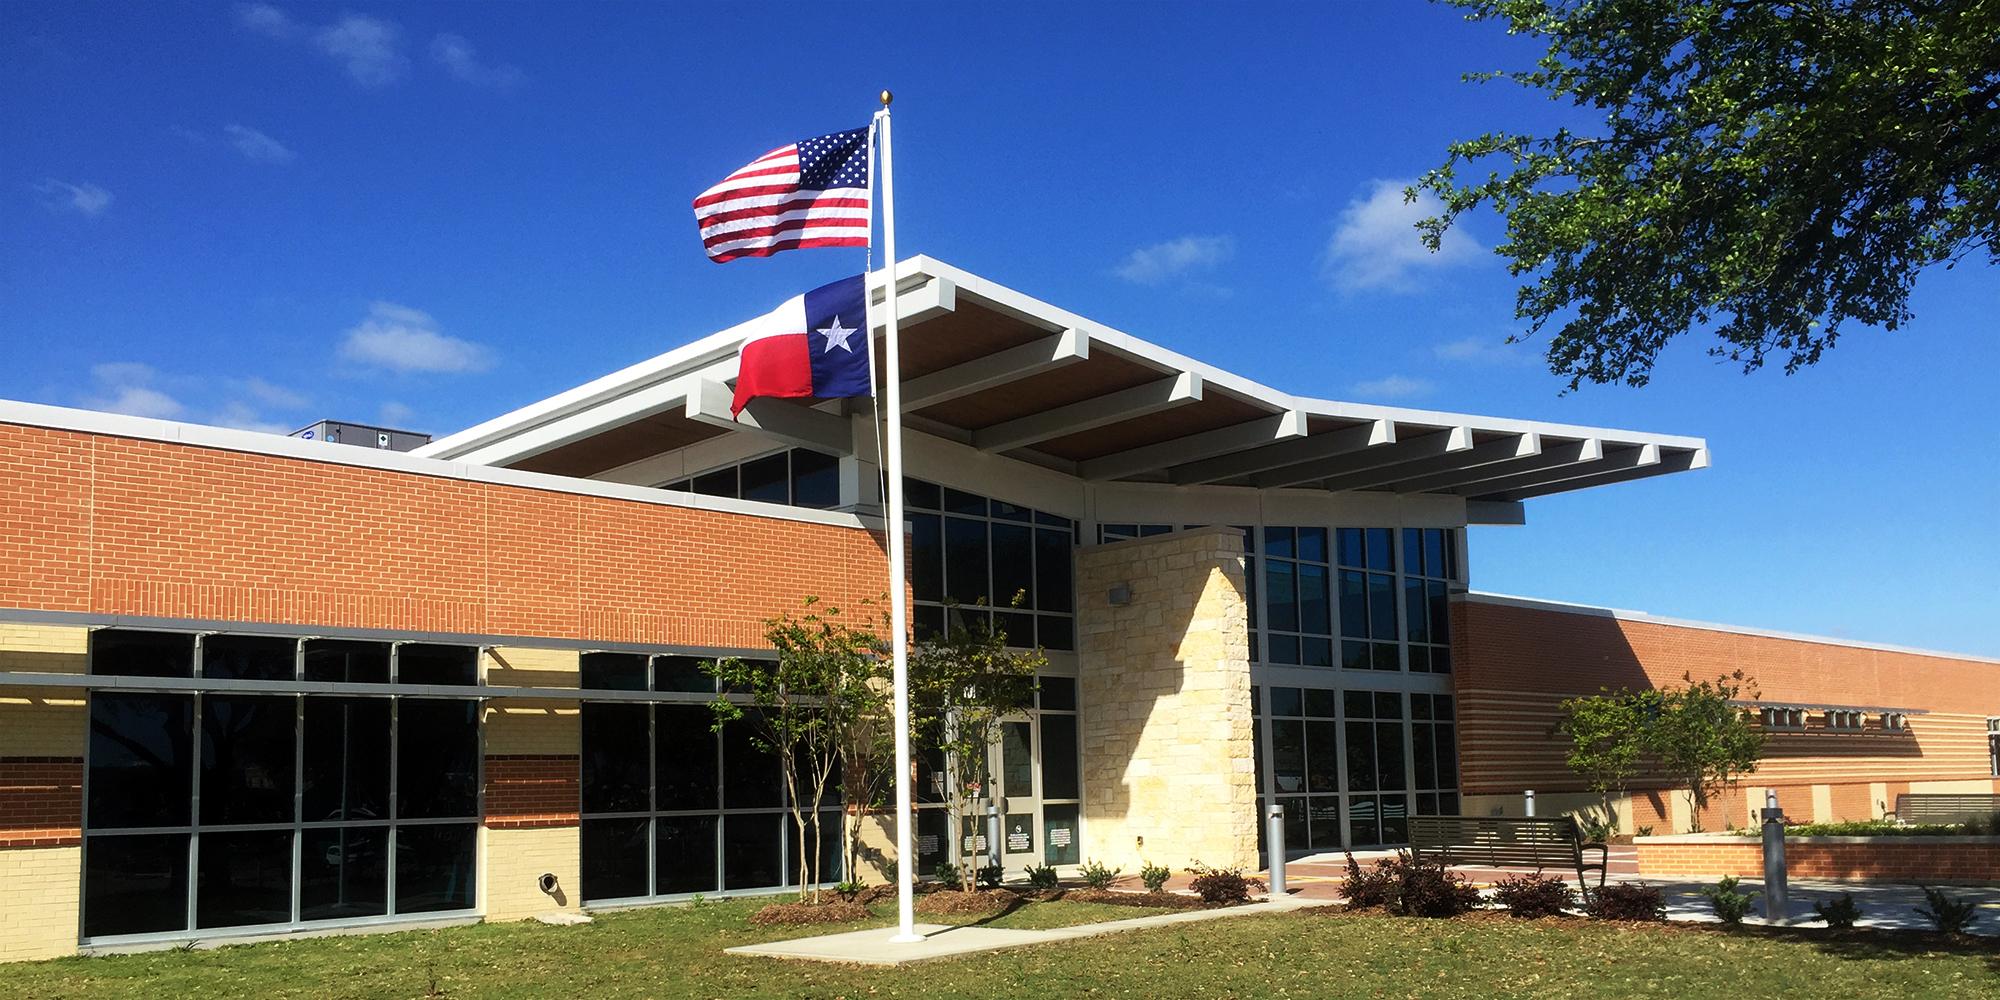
(1120, 595)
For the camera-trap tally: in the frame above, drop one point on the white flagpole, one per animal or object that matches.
(906, 859)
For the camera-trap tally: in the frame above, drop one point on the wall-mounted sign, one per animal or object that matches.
(1058, 836)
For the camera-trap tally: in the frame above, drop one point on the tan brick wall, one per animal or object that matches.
(44, 649)
(1959, 860)
(1167, 752)
(1513, 665)
(532, 746)
(42, 733)
(97, 523)
(516, 859)
(39, 917)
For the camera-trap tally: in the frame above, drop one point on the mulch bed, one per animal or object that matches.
(827, 911)
(946, 902)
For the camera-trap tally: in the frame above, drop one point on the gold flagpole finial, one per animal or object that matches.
(886, 98)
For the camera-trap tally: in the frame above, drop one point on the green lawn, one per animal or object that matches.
(676, 952)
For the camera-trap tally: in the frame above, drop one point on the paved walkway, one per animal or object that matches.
(874, 947)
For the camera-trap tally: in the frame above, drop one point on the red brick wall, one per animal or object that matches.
(532, 790)
(1878, 859)
(95, 523)
(1513, 664)
(41, 801)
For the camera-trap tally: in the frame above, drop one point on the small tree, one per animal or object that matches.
(1607, 739)
(805, 709)
(964, 682)
(1703, 738)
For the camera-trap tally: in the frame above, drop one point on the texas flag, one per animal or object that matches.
(815, 345)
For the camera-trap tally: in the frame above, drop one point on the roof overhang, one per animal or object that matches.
(998, 371)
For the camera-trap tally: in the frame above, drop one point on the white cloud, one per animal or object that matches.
(403, 340)
(139, 389)
(1394, 387)
(371, 49)
(1152, 265)
(457, 55)
(265, 19)
(84, 198)
(394, 414)
(1375, 242)
(256, 146)
(1483, 351)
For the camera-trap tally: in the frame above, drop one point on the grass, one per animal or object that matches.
(676, 952)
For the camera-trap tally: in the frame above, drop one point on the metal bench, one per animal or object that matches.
(1507, 842)
(1933, 807)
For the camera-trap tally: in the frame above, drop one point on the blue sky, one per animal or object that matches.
(428, 214)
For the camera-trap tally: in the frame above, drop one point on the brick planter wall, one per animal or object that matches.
(1955, 860)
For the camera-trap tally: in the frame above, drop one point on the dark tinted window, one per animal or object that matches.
(615, 772)
(681, 673)
(434, 867)
(141, 759)
(767, 479)
(245, 878)
(750, 777)
(686, 854)
(613, 671)
(438, 763)
(340, 660)
(135, 885)
(686, 750)
(346, 759)
(248, 657)
(815, 479)
(751, 847)
(614, 858)
(1052, 570)
(247, 749)
(926, 557)
(1057, 694)
(965, 560)
(720, 483)
(1014, 569)
(422, 663)
(1059, 763)
(125, 653)
(344, 873)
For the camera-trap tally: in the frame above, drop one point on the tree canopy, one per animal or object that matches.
(1772, 172)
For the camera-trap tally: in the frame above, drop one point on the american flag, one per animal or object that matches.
(812, 193)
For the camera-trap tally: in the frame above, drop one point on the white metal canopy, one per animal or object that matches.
(1004, 373)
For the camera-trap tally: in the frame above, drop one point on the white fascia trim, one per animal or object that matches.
(684, 360)
(1057, 319)
(1622, 614)
(259, 443)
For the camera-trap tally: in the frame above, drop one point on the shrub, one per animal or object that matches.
(1627, 901)
(1096, 876)
(949, 874)
(1731, 906)
(1370, 888)
(1645, 831)
(1042, 877)
(1596, 829)
(989, 876)
(1534, 896)
(1948, 915)
(1219, 885)
(1410, 888)
(849, 889)
(1154, 877)
(1839, 913)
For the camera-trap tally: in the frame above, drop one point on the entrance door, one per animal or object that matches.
(1019, 798)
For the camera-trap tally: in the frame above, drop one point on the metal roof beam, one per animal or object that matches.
(1451, 441)
(1526, 444)
(1374, 433)
(913, 304)
(1207, 444)
(1138, 401)
(614, 412)
(1046, 354)
(786, 421)
(1615, 460)
(1665, 461)
(1552, 455)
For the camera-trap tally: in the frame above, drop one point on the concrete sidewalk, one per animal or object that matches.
(873, 947)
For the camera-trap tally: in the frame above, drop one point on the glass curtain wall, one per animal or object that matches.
(670, 806)
(219, 810)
